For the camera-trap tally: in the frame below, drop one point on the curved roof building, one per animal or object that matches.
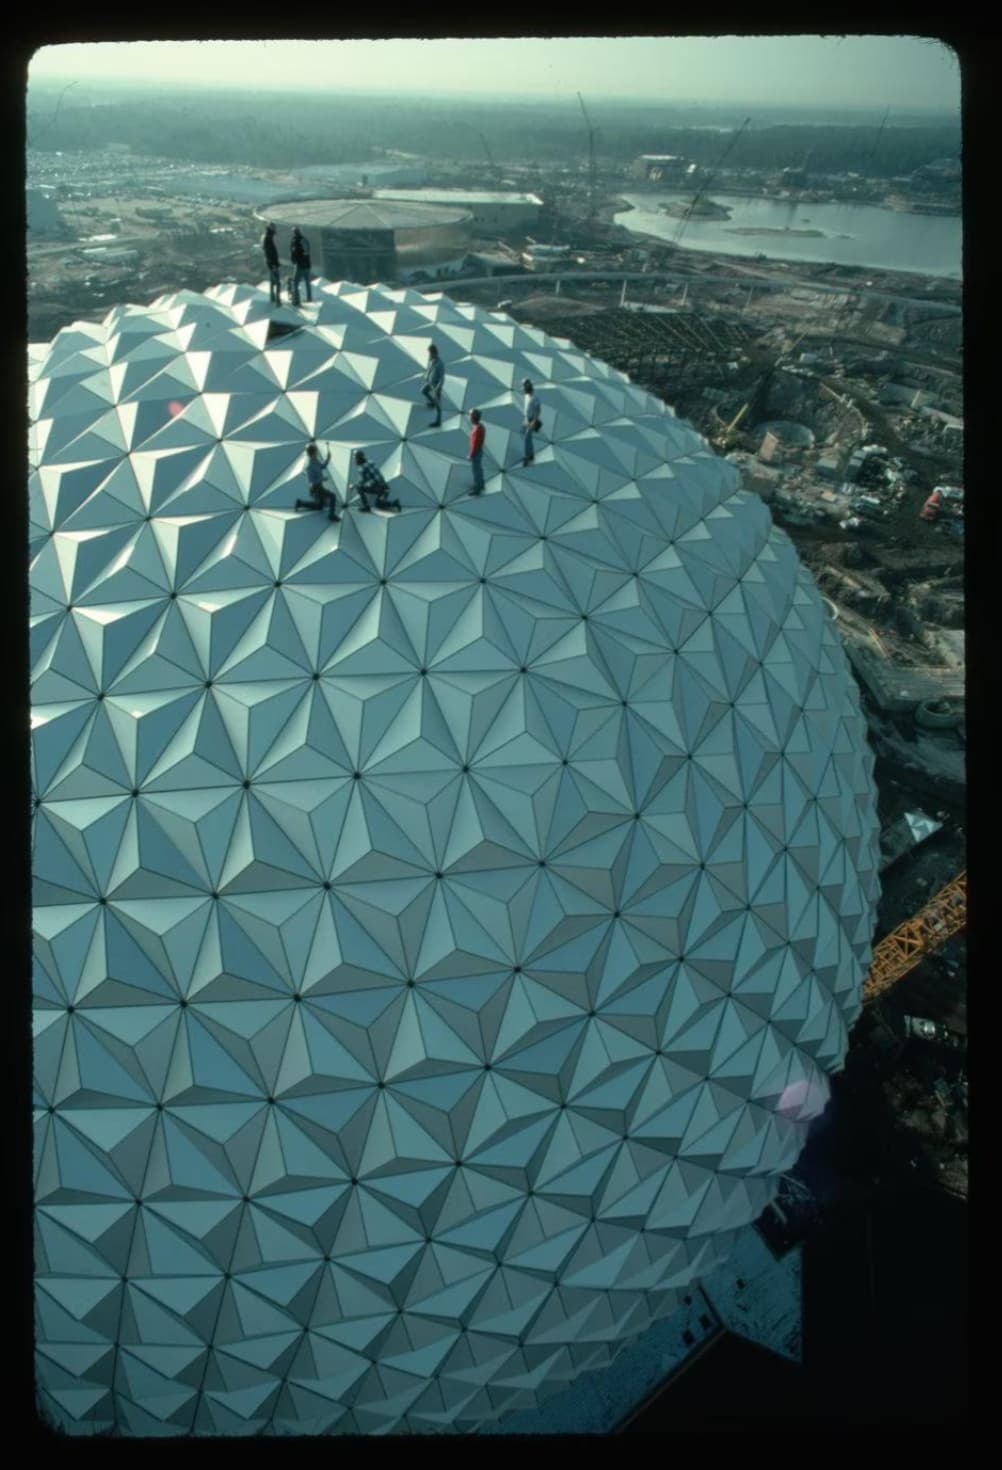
(446, 923)
(374, 239)
(492, 209)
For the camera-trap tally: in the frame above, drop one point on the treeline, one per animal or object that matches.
(191, 131)
(870, 151)
(279, 131)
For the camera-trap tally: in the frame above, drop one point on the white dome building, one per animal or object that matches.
(446, 922)
(374, 239)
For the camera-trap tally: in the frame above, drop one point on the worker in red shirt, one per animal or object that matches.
(477, 436)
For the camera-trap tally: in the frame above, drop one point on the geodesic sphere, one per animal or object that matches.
(446, 922)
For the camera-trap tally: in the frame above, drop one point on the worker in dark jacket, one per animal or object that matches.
(300, 255)
(271, 261)
(371, 483)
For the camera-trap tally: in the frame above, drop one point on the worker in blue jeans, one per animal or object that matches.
(477, 436)
(532, 421)
(319, 495)
(370, 482)
(271, 261)
(300, 255)
(434, 378)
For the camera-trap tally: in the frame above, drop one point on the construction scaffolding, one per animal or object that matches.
(899, 687)
(640, 342)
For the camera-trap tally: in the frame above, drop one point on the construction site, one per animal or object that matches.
(837, 391)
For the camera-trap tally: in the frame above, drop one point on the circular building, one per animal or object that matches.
(446, 923)
(366, 240)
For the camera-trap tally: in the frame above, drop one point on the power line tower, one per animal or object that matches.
(876, 141)
(592, 170)
(854, 299)
(495, 172)
(50, 121)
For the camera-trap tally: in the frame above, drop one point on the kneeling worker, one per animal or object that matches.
(371, 483)
(319, 497)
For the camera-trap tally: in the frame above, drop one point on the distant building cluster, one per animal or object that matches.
(664, 168)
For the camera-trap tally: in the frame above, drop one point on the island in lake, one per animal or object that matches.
(771, 230)
(697, 209)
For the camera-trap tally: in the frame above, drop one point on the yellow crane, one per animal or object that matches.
(901, 950)
(736, 420)
(726, 434)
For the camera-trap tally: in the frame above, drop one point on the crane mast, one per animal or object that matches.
(592, 171)
(495, 172)
(688, 213)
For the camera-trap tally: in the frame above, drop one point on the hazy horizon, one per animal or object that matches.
(909, 74)
(738, 104)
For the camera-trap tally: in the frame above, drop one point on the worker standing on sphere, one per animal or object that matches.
(434, 378)
(300, 255)
(271, 261)
(532, 422)
(477, 436)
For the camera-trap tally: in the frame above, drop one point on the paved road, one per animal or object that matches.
(545, 280)
(64, 246)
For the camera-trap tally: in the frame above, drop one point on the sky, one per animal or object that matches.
(909, 72)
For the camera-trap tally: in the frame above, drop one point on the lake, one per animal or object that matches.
(851, 234)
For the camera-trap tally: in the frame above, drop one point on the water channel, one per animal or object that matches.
(848, 234)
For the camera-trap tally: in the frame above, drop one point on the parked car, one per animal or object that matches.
(932, 1031)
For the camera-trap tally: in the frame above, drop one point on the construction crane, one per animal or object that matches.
(726, 435)
(876, 142)
(687, 213)
(902, 949)
(592, 173)
(50, 121)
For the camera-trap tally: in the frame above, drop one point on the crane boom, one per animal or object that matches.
(737, 419)
(901, 950)
(592, 188)
(687, 214)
